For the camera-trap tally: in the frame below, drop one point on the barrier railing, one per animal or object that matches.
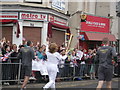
(11, 72)
(81, 71)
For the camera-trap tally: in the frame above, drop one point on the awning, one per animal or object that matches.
(98, 36)
(50, 25)
(9, 21)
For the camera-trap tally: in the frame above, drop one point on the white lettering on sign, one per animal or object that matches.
(57, 20)
(96, 24)
(33, 16)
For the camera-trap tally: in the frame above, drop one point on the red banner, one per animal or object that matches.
(95, 24)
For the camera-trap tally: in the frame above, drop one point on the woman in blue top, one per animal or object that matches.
(40, 57)
(39, 53)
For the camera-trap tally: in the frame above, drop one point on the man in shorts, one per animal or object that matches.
(26, 55)
(105, 70)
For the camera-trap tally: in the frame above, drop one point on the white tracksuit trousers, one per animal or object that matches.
(52, 73)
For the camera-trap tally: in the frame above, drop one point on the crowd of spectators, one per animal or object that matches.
(75, 62)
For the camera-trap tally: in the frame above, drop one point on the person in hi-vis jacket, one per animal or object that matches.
(53, 59)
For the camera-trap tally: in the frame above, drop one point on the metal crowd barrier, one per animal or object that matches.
(11, 72)
(77, 71)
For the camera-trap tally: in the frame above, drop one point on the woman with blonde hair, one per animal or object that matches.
(53, 59)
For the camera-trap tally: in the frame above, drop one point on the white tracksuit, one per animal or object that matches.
(52, 68)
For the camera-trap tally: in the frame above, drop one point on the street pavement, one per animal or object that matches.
(70, 84)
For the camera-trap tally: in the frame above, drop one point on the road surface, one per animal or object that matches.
(76, 85)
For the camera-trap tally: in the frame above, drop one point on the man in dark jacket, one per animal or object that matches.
(26, 55)
(105, 70)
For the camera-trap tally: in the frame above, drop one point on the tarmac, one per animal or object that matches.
(69, 84)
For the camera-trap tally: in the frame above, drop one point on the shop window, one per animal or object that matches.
(33, 34)
(58, 37)
(7, 33)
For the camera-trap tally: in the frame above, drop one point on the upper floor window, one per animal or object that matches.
(58, 4)
(118, 9)
(34, 1)
(9, 0)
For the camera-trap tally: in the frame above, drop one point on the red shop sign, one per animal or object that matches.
(95, 24)
(57, 20)
(8, 15)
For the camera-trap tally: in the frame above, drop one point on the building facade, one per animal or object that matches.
(38, 19)
(34, 20)
(102, 11)
(118, 20)
(110, 11)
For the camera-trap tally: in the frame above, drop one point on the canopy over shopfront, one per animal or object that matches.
(50, 25)
(98, 36)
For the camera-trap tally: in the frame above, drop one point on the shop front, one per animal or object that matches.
(94, 40)
(57, 29)
(7, 22)
(93, 30)
(33, 26)
(19, 26)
